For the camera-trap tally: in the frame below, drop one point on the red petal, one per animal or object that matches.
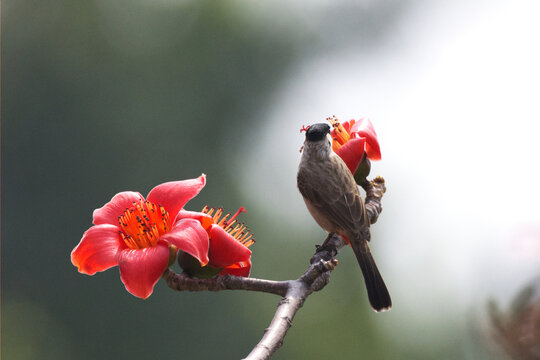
(225, 250)
(98, 249)
(351, 153)
(239, 269)
(109, 213)
(373, 151)
(364, 128)
(175, 194)
(347, 125)
(189, 236)
(140, 269)
(205, 219)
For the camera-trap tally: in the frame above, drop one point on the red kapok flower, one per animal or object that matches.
(352, 138)
(138, 235)
(229, 241)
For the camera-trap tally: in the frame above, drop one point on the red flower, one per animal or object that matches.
(138, 235)
(352, 138)
(229, 241)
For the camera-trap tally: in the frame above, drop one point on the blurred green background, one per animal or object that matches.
(103, 96)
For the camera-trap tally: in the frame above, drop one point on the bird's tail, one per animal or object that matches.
(379, 298)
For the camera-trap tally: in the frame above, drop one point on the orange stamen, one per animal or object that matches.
(240, 210)
(339, 134)
(240, 231)
(143, 224)
(335, 145)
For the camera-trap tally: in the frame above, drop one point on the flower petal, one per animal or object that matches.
(225, 250)
(205, 219)
(364, 128)
(242, 268)
(140, 269)
(189, 236)
(352, 152)
(175, 194)
(109, 213)
(98, 249)
(347, 125)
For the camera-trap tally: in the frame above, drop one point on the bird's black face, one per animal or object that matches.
(317, 132)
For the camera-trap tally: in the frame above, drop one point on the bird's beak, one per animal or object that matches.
(329, 137)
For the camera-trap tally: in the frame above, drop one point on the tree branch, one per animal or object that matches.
(182, 282)
(314, 279)
(374, 193)
(293, 292)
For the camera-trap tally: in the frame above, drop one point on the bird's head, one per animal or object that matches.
(318, 142)
(317, 132)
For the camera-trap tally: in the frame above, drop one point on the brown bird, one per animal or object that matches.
(334, 200)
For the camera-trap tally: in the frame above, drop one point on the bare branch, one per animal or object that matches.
(298, 291)
(293, 292)
(374, 192)
(182, 282)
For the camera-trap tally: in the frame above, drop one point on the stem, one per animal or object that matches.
(293, 292)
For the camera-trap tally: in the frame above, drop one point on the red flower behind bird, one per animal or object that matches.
(353, 138)
(140, 236)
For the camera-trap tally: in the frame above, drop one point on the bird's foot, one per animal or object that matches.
(327, 250)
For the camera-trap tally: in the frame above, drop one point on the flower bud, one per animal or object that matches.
(362, 172)
(173, 251)
(193, 268)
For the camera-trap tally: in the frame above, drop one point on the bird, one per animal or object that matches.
(333, 199)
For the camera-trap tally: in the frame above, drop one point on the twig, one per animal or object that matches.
(182, 282)
(374, 193)
(293, 292)
(298, 291)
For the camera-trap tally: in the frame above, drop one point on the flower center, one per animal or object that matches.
(143, 224)
(239, 231)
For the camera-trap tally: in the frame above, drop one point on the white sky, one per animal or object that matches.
(454, 96)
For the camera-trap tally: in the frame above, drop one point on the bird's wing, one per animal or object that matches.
(336, 197)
